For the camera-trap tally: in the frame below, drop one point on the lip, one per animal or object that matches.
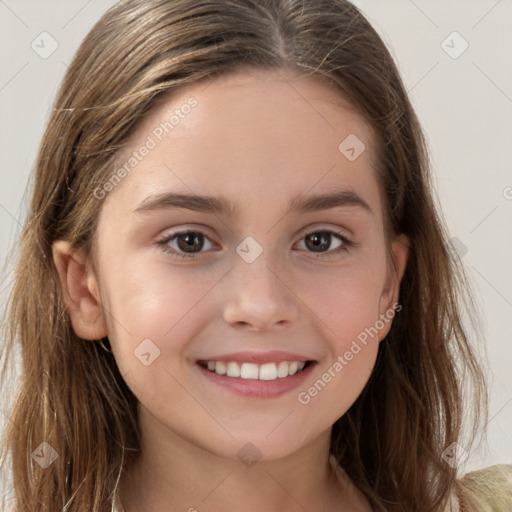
(274, 356)
(253, 388)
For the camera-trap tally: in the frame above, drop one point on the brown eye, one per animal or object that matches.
(185, 244)
(319, 241)
(191, 241)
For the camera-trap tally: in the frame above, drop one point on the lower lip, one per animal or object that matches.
(258, 388)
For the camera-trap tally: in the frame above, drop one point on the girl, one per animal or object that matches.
(233, 288)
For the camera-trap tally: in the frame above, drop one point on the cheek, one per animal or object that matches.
(345, 301)
(155, 312)
(348, 308)
(155, 302)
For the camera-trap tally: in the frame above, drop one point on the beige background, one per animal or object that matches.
(464, 104)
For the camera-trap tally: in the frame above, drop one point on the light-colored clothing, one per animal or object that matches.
(490, 488)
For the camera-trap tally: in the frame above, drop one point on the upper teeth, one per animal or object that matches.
(267, 371)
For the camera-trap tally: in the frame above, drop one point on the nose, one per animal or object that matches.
(260, 297)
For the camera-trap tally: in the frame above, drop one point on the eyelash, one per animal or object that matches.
(347, 244)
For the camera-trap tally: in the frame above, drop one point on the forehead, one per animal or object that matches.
(260, 134)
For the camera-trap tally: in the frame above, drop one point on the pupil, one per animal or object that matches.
(319, 241)
(190, 239)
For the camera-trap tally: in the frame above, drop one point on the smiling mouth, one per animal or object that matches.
(252, 371)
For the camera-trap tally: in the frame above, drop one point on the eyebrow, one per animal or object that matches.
(221, 205)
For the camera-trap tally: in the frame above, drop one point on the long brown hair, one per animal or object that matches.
(71, 394)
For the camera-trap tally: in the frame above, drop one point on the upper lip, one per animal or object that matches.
(274, 356)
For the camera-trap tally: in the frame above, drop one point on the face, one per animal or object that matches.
(288, 294)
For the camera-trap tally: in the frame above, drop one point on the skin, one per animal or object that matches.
(257, 138)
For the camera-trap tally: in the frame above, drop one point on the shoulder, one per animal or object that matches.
(486, 490)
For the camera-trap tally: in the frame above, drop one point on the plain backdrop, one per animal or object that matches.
(455, 58)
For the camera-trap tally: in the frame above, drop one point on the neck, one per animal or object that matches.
(174, 474)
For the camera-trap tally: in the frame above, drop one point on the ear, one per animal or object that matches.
(390, 294)
(80, 289)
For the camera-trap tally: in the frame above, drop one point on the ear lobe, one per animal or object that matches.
(390, 295)
(80, 291)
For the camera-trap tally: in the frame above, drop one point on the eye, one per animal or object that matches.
(189, 243)
(186, 243)
(319, 241)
